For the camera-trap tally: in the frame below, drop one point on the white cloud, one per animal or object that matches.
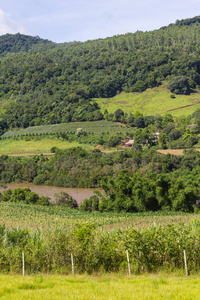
(7, 25)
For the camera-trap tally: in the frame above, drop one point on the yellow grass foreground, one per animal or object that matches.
(106, 287)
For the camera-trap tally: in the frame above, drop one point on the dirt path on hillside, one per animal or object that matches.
(184, 106)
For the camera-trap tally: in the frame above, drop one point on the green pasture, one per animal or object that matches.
(103, 287)
(95, 127)
(23, 147)
(43, 217)
(152, 101)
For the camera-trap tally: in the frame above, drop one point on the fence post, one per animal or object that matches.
(185, 260)
(129, 267)
(72, 264)
(23, 265)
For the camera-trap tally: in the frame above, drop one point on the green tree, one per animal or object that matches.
(179, 85)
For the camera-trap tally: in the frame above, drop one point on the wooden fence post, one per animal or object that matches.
(72, 264)
(129, 267)
(23, 264)
(185, 260)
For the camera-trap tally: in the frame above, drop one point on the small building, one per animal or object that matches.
(129, 143)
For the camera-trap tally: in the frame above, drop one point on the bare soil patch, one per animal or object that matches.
(173, 151)
(122, 102)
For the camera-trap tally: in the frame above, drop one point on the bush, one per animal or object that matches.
(53, 149)
(64, 199)
(179, 85)
(91, 204)
(44, 200)
(23, 195)
(139, 86)
(40, 179)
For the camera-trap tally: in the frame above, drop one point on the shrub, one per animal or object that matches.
(23, 195)
(65, 199)
(53, 149)
(179, 85)
(91, 204)
(40, 179)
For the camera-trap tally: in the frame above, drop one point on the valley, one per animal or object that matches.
(67, 111)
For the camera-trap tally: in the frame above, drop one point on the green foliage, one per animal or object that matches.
(53, 149)
(118, 115)
(179, 85)
(91, 204)
(64, 199)
(139, 86)
(150, 249)
(14, 43)
(23, 195)
(139, 193)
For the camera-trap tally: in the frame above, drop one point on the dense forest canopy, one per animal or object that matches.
(48, 83)
(14, 43)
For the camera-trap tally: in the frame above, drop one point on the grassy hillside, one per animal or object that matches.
(152, 101)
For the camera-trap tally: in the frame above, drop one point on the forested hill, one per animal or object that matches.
(56, 83)
(14, 43)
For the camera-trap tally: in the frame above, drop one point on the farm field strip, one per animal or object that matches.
(33, 217)
(96, 127)
(12, 147)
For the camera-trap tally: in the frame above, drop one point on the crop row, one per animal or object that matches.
(95, 127)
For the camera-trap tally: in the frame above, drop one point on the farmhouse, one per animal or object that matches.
(129, 143)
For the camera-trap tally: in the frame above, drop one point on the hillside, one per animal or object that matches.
(152, 100)
(57, 83)
(15, 43)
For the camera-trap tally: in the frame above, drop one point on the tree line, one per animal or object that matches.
(132, 180)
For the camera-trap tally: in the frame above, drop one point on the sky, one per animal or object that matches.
(81, 20)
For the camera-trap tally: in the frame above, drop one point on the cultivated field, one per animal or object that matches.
(95, 127)
(98, 242)
(33, 216)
